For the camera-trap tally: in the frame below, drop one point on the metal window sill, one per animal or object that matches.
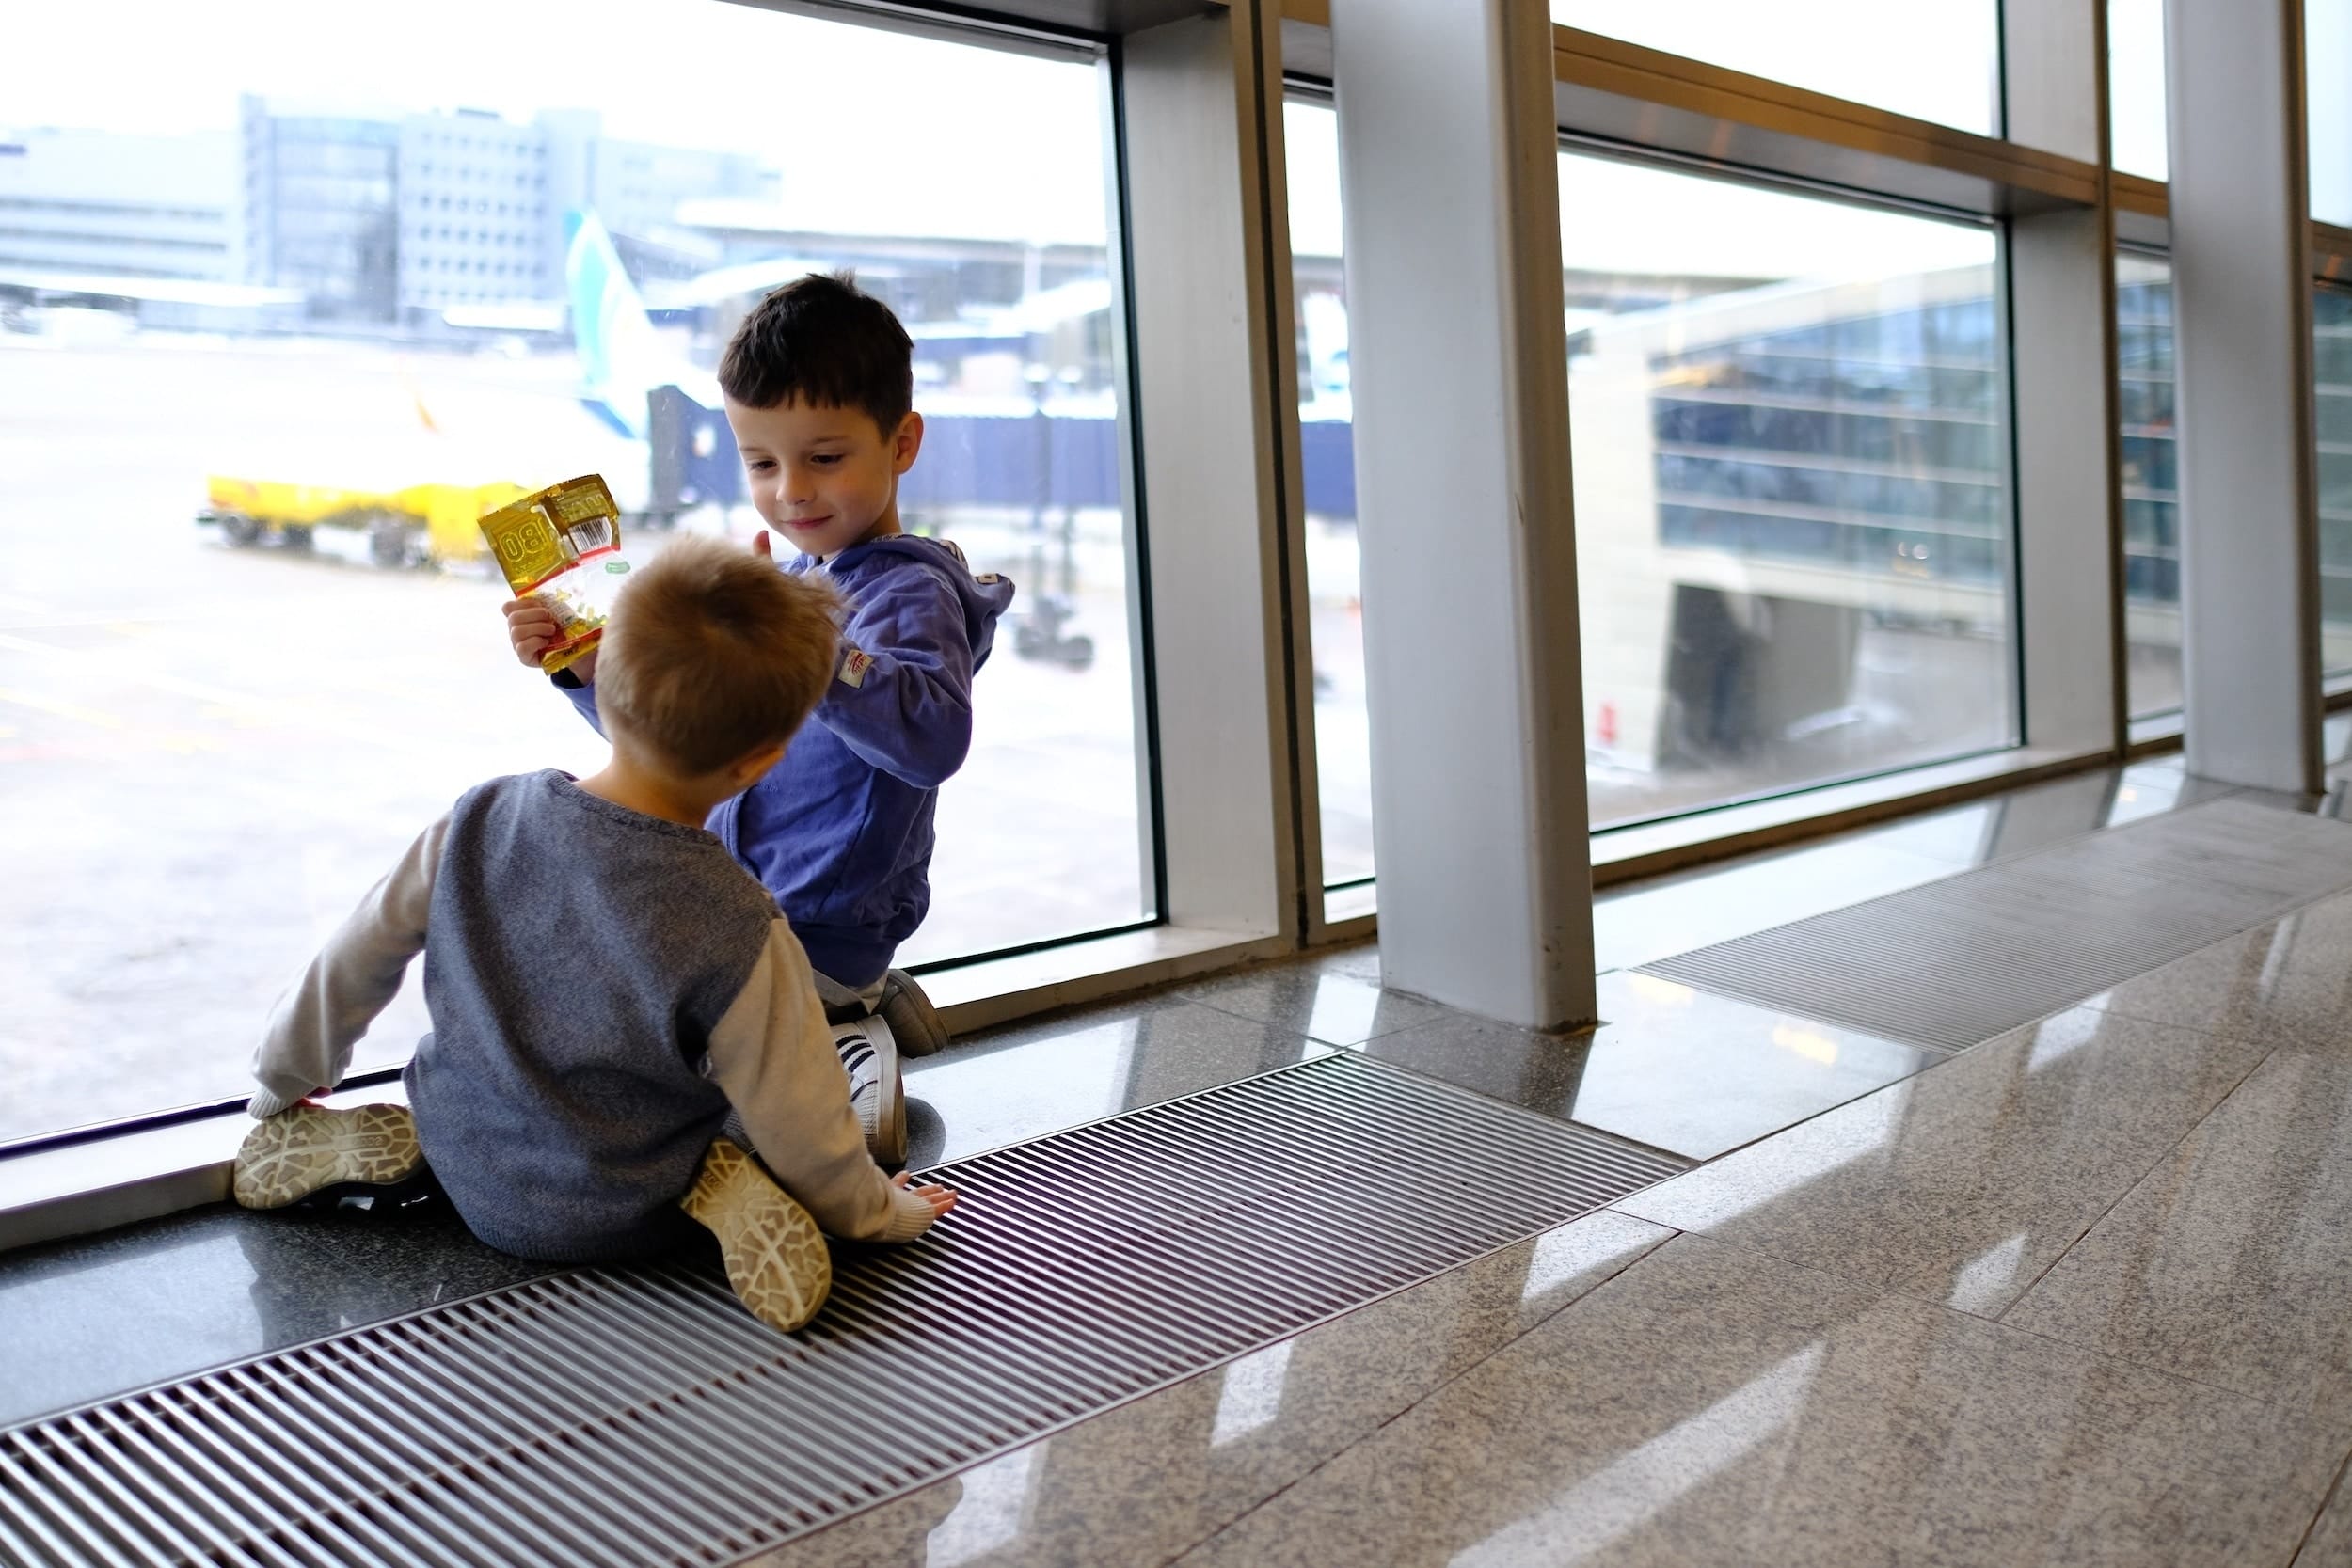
(1653, 848)
(91, 1186)
(2154, 733)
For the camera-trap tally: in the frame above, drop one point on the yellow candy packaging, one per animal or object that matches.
(561, 546)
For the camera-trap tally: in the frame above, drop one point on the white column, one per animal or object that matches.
(1458, 366)
(2242, 303)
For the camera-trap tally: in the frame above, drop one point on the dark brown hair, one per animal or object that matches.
(826, 343)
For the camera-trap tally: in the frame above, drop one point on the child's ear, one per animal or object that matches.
(751, 767)
(906, 443)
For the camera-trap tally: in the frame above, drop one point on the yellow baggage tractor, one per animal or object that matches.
(412, 526)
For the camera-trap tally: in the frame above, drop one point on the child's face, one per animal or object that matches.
(824, 477)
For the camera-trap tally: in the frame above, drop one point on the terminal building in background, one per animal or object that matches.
(390, 221)
(124, 205)
(417, 218)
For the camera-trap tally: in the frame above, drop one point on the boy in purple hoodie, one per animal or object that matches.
(818, 382)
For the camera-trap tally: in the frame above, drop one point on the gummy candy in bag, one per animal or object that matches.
(563, 546)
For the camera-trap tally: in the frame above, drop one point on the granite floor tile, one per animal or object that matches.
(1962, 1184)
(1687, 1070)
(2325, 805)
(1712, 1406)
(2040, 815)
(2329, 1543)
(1142, 1482)
(2231, 1261)
(1360, 959)
(83, 1319)
(1669, 1066)
(1011, 1084)
(2147, 788)
(1323, 1003)
(1659, 918)
(1538, 1073)
(2287, 983)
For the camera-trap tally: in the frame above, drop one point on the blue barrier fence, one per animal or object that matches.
(1045, 461)
(1056, 461)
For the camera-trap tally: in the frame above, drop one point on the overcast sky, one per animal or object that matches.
(873, 132)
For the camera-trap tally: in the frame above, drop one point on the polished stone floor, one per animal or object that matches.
(2075, 1295)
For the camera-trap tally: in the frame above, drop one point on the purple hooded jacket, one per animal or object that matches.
(841, 829)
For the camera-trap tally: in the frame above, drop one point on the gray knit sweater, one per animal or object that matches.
(603, 984)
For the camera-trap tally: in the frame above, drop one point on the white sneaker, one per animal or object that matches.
(877, 1092)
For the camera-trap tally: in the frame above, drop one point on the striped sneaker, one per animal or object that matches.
(871, 1057)
(776, 1256)
(310, 1152)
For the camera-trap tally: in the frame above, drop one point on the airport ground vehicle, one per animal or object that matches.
(408, 527)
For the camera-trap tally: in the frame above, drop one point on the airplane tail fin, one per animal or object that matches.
(620, 358)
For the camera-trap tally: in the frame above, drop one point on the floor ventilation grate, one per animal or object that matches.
(635, 1416)
(1958, 961)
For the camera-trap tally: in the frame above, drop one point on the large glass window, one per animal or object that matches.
(1932, 59)
(1792, 496)
(2328, 97)
(2151, 502)
(253, 275)
(2331, 362)
(2136, 88)
(1792, 500)
(1342, 742)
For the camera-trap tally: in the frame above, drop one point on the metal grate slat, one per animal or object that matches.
(1958, 961)
(616, 1416)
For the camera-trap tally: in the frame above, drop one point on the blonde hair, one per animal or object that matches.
(713, 653)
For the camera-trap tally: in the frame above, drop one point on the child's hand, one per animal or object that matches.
(762, 547)
(531, 628)
(940, 1198)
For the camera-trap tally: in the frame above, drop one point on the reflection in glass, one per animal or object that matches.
(2152, 507)
(1930, 59)
(1791, 487)
(2136, 88)
(250, 273)
(2331, 365)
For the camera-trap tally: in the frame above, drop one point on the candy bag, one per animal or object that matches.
(561, 546)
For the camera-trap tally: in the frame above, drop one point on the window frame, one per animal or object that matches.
(1351, 906)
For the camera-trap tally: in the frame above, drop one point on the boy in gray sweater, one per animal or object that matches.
(620, 1015)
